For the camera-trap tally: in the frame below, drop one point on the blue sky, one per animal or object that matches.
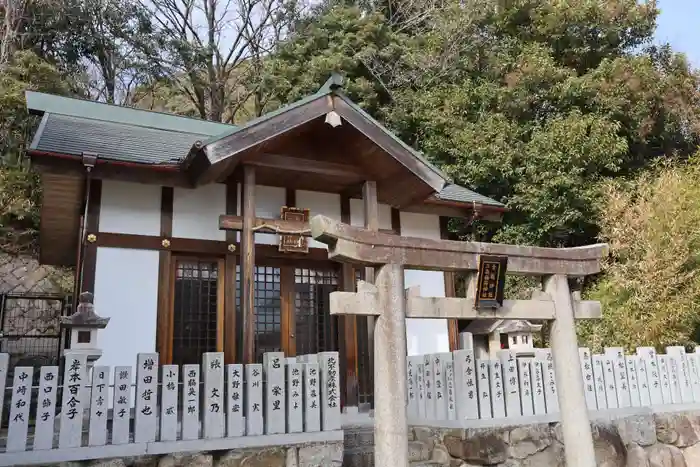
(679, 24)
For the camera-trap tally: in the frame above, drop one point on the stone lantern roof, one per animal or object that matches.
(85, 315)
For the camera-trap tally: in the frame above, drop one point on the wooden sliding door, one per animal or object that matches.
(197, 319)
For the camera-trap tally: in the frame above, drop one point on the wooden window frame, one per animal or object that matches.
(220, 302)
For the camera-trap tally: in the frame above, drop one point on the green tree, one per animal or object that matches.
(651, 288)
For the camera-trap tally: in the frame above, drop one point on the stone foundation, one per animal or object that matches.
(668, 439)
(311, 455)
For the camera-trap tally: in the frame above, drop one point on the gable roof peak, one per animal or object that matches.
(335, 81)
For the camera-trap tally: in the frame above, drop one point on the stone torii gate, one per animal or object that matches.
(389, 302)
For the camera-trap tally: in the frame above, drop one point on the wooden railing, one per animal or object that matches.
(102, 413)
(456, 386)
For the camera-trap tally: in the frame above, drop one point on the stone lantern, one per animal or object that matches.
(83, 326)
(492, 335)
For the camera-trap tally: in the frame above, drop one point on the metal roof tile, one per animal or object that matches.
(454, 192)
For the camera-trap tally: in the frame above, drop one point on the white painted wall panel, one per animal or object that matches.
(196, 212)
(126, 290)
(130, 208)
(268, 203)
(327, 204)
(357, 214)
(425, 335)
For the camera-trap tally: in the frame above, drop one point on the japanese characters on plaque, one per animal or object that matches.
(46, 408)
(275, 398)
(121, 405)
(510, 382)
(169, 402)
(673, 370)
(610, 392)
(466, 385)
(497, 395)
(411, 387)
(526, 400)
(679, 363)
(491, 281)
(694, 369)
(4, 363)
(312, 405)
(665, 380)
(429, 384)
(544, 356)
(484, 387)
(538, 387)
(599, 377)
(420, 387)
(450, 390)
(295, 399)
(74, 379)
(330, 379)
(587, 373)
(19, 411)
(439, 361)
(145, 426)
(620, 373)
(633, 379)
(254, 399)
(651, 365)
(190, 402)
(97, 435)
(234, 380)
(642, 381)
(214, 420)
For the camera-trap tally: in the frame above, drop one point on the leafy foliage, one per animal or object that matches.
(651, 288)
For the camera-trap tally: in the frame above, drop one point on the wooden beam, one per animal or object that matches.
(248, 265)
(364, 303)
(360, 246)
(221, 155)
(263, 225)
(164, 315)
(350, 173)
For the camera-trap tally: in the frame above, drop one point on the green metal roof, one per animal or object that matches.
(74, 126)
(454, 192)
(41, 103)
(116, 141)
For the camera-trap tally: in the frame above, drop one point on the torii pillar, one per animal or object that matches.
(389, 302)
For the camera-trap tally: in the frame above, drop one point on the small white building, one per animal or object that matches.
(132, 199)
(491, 335)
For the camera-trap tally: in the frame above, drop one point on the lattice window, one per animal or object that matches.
(268, 311)
(315, 328)
(194, 310)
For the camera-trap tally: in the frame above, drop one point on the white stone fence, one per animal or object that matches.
(456, 386)
(102, 413)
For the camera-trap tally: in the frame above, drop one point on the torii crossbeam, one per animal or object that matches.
(388, 300)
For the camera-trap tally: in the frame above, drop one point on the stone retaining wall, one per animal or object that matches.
(311, 455)
(669, 439)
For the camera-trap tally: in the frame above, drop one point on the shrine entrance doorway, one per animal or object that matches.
(292, 311)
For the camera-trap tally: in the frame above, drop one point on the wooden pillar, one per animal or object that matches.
(164, 326)
(230, 333)
(248, 265)
(371, 205)
(450, 290)
(348, 326)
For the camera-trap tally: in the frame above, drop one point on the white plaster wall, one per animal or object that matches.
(196, 212)
(425, 335)
(327, 204)
(357, 214)
(268, 203)
(126, 291)
(130, 208)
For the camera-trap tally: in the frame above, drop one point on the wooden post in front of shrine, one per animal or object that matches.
(388, 302)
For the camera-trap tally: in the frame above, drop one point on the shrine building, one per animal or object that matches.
(173, 223)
